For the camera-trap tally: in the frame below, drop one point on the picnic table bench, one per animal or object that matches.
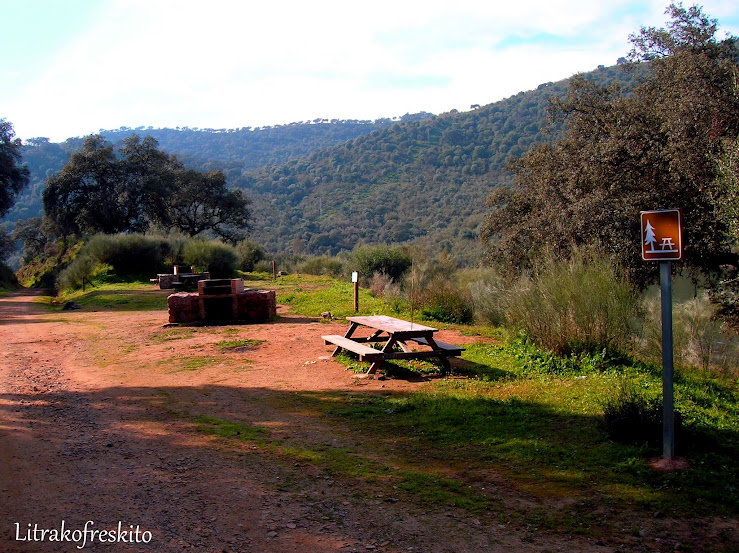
(391, 332)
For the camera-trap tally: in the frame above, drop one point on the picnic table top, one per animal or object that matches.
(391, 325)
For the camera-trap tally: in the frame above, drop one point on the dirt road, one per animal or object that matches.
(99, 415)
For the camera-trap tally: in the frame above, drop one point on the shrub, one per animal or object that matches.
(129, 254)
(8, 280)
(381, 284)
(710, 342)
(83, 267)
(700, 337)
(323, 265)
(213, 256)
(249, 253)
(369, 260)
(489, 293)
(579, 304)
(443, 301)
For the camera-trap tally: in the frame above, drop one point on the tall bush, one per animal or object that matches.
(129, 254)
(393, 262)
(581, 303)
(488, 293)
(700, 337)
(322, 265)
(249, 253)
(212, 256)
(82, 268)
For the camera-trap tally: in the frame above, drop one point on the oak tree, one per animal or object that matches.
(622, 153)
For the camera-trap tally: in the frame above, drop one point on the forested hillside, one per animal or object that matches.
(424, 181)
(238, 149)
(323, 186)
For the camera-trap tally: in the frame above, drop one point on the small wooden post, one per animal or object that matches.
(274, 270)
(355, 281)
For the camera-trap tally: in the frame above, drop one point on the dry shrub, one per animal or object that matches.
(583, 303)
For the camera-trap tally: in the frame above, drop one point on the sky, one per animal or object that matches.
(73, 67)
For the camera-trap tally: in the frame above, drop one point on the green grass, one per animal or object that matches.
(189, 364)
(331, 295)
(230, 430)
(542, 427)
(122, 296)
(173, 334)
(239, 344)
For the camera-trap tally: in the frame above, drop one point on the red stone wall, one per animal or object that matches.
(250, 306)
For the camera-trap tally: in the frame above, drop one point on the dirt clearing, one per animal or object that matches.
(110, 420)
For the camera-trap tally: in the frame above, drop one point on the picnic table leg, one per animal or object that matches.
(446, 366)
(387, 348)
(352, 327)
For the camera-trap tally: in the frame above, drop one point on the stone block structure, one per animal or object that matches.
(222, 300)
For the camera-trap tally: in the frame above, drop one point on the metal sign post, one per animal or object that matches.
(668, 403)
(355, 280)
(662, 241)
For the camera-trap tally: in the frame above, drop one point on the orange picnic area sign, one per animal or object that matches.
(662, 235)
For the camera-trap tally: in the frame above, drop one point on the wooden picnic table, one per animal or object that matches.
(391, 332)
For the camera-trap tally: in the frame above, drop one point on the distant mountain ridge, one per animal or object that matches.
(324, 186)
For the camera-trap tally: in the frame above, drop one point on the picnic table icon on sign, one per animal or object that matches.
(662, 235)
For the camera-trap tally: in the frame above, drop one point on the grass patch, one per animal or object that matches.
(542, 427)
(436, 490)
(190, 364)
(336, 297)
(231, 430)
(122, 296)
(243, 344)
(398, 368)
(173, 334)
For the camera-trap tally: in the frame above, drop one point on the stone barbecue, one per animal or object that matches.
(222, 300)
(182, 275)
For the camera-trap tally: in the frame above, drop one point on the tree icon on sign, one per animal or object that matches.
(651, 239)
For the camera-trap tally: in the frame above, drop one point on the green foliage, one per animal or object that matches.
(322, 265)
(213, 256)
(580, 304)
(321, 188)
(652, 147)
(34, 235)
(199, 203)
(391, 261)
(443, 301)
(78, 271)
(42, 271)
(13, 176)
(249, 254)
(8, 281)
(129, 254)
(100, 190)
(631, 416)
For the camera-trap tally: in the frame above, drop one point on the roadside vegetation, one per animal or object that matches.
(579, 418)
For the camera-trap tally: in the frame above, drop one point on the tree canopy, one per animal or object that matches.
(13, 178)
(622, 153)
(101, 190)
(13, 175)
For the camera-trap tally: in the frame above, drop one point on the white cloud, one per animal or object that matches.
(234, 63)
